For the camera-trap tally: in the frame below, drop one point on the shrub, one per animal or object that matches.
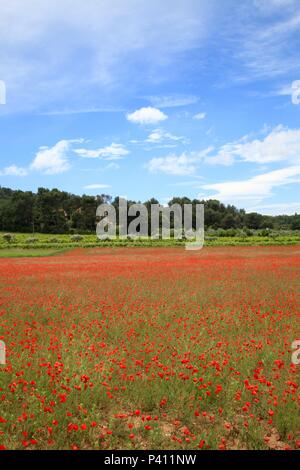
(8, 237)
(31, 240)
(76, 238)
(54, 240)
(264, 233)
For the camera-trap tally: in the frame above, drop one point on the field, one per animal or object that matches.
(41, 241)
(151, 348)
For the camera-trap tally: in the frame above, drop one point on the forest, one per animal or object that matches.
(60, 212)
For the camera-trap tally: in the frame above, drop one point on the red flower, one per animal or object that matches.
(201, 444)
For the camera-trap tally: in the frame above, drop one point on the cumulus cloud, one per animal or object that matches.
(110, 152)
(184, 164)
(13, 170)
(254, 189)
(281, 144)
(147, 115)
(54, 160)
(57, 159)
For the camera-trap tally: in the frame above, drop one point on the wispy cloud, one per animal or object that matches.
(14, 170)
(110, 152)
(36, 45)
(172, 101)
(253, 190)
(66, 112)
(287, 208)
(97, 186)
(184, 164)
(190, 183)
(173, 165)
(266, 40)
(159, 136)
(271, 6)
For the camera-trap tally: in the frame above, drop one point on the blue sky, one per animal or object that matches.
(150, 98)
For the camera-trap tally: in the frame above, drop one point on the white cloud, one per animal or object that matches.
(281, 144)
(199, 116)
(158, 136)
(192, 183)
(172, 165)
(184, 164)
(97, 186)
(287, 208)
(161, 139)
(148, 115)
(253, 190)
(112, 166)
(54, 160)
(69, 111)
(266, 40)
(110, 152)
(13, 170)
(40, 47)
(172, 101)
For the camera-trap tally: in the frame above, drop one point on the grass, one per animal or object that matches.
(29, 252)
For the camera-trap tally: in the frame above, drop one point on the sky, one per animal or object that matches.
(151, 98)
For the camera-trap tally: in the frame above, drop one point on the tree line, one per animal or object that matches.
(55, 211)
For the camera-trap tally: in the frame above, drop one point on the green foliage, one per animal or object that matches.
(32, 240)
(76, 238)
(58, 212)
(54, 240)
(8, 237)
(221, 237)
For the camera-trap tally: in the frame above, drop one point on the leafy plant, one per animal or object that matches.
(8, 237)
(76, 238)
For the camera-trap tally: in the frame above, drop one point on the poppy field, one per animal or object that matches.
(151, 348)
